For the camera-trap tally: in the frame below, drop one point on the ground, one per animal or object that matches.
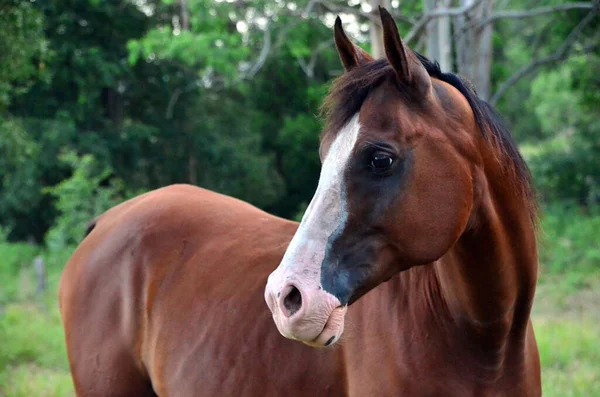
(33, 360)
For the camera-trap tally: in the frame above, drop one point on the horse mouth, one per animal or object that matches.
(332, 330)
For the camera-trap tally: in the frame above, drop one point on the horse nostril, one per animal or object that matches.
(292, 301)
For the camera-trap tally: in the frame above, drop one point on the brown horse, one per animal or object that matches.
(421, 187)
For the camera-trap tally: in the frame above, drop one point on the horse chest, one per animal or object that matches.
(403, 352)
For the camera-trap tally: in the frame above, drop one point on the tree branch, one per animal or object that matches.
(308, 8)
(373, 15)
(252, 70)
(304, 14)
(309, 68)
(264, 53)
(535, 12)
(172, 101)
(539, 38)
(439, 12)
(522, 14)
(184, 15)
(560, 54)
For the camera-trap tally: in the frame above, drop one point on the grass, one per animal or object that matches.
(29, 380)
(566, 314)
(14, 258)
(567, 326)
(570, 354)
(32, 352)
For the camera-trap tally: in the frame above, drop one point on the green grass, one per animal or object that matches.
(33, 360)
(566, 320)
(566, 314)
(13, 259)
(32, 353)
(570, 353)
(28, 380)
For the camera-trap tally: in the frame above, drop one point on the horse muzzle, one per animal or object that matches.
(303, 311)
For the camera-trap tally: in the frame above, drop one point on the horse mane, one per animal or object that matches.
(90, 226)
(349, 91)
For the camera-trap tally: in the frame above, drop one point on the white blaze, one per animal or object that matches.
(321, 317)
(326, 212)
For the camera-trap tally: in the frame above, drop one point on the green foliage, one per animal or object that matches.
(4, 232)
(569, 239)
(245, 174)
(18, 182)
(565, 167)
(158, 101)
(566, 164)
(555, 108)
(28, 152)
(301, 147)
(569, 174)
(211, 46)
(158, 104)
(553, 100)
(21, 41)
(81, 197)
(16, 259)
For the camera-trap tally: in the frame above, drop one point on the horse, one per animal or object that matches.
(412, 272)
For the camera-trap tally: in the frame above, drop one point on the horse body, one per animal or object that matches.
(164, 297)
(417, 252)
(150, 302)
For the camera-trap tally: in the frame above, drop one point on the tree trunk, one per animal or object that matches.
(433, 45)
(484, 63)
(439, 45)
(113, 105)
(474, 46)
(184, 15)
(192, 167)
(192, 161)
(375, 31)
(445, 40)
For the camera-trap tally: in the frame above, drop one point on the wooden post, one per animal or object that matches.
(40, 273)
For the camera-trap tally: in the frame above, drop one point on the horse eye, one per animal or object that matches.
(381, 162)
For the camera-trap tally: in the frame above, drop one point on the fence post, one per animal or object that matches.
(40, 275)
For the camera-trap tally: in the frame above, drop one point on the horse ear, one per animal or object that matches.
(408, 67)
(351, 55)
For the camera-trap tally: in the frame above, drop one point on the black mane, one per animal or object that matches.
(349, 91)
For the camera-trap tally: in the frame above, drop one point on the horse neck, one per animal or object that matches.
(488, 278)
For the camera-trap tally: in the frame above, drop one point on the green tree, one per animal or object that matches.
(23, 50)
